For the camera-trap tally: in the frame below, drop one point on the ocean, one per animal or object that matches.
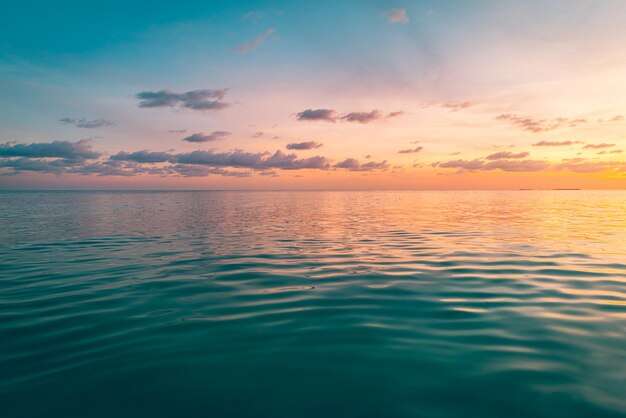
(313, 304)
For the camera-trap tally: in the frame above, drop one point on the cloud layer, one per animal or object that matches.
(203, 99)
(64, 157)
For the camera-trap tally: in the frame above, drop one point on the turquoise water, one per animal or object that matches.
(313, 304)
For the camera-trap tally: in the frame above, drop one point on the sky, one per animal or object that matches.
(423, 94)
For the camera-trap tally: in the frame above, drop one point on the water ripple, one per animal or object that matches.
(313, 304)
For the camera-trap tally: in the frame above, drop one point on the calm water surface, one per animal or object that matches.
(313, 304)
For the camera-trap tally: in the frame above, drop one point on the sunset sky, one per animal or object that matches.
(422, 94)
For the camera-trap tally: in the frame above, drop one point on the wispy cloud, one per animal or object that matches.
(506, 154)
(598, 146)
(86, 123)
(202, 137)
(303, 145)
(253, 15)
(330, 115)
(539, 125)
(362, 117)
(396, 16)
(410, 150)
(455, 107)
(504, 165)
(555, 143)
(202, 99)
(256, 42)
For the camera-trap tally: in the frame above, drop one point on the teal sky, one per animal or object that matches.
(72, 71)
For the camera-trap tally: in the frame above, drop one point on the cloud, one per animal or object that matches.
(396, 16)
(202, 137)
(362, 117)
(411, 150)
(455, 107)
(56, 149)
(617, 151)
(580, 165)
(177, 131)
(203, 171)
(617, 118)
(501, 164)
(513, 165)
(62, 157)
(506, 154)
(257, 134)
(327, 115)
(303, 145)
(86, 123)
(204, 99)
(462, 164)
(598, 146)
(256, 42)
(538, 125)
(255, 161)
(142, 156)
(29, 164)
(253, 15)
(555, 143)
(352, 164)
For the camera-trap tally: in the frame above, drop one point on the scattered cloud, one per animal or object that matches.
(598, 146)
(256, 42)
(617, 151)
(303, 145)
(257, 134)
(396, 16)
(362, 117)
(352, 164)
(410, 150)
(455, 107)
(326, 115)
(506, 154)
(177, 131)
(86, 123)
(555, 143)
(617, 118)
(464, 165)
(202, 137)
(329, 115)
(203, 99)
(539, 125)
